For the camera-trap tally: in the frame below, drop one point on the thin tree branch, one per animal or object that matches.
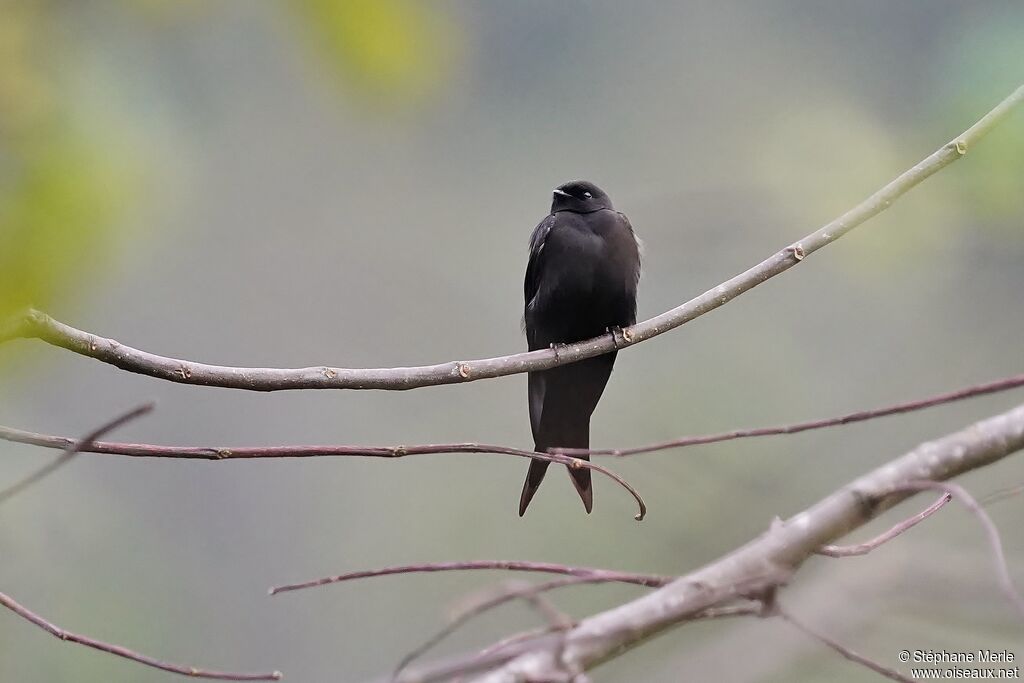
(73, 449)
(991, 531)
(557, 621)
(529, 592)
(1002, 494)
(868, 546)
(846, 652)
(771, 557)
(996, 386)
(38, 325)
(138, 450)
(496, 654)
(124, 652)
(605, 575)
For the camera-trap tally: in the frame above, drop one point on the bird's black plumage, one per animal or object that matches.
(581, 282)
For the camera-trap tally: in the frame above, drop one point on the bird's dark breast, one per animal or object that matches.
(592, 286)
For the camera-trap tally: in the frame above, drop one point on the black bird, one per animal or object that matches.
(580, 283)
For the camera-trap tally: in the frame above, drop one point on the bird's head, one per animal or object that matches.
(579, 196)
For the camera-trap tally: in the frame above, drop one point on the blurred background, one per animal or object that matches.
(353, 182)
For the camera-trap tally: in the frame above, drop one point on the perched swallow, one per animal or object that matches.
(581, 282)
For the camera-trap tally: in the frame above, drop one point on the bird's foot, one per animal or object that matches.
(621, 338)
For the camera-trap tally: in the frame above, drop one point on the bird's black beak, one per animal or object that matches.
(561, 192)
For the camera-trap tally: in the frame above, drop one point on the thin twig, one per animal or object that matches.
(516, 639)
(40, 326)
(999, 385)
(529, 592)
(124, 652)
(1001, 494)
(139, 450)
(991, 531)
(73, 449)
(606, 575)
(868, 546)
(846, 652)
(558, 622)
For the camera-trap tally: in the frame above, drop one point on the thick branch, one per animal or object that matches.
(40, 326)
(777, 553)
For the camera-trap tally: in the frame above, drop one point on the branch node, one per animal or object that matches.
(330, 373)
(960, 146)
(464, 370)
(796, 251)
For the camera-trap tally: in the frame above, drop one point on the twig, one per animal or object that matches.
(504, 643)
(868, 546)
(999, 385)
(455, 668)
(139, 450)
(597, 574)
(529, 592)
(1002, 494)
(846, 652)
(557, 621)
(40, 326)
(72, 449)
(124, 652)
(991, 531)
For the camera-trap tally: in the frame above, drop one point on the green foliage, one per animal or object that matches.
(62, 190)
(983, 64)
(392, 51)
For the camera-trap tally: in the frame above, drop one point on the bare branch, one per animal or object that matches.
(256, 452)
(868, 546)
(846, 652)
(600, 575)
(999, 385)
(1002, 494)
(73, 449)
(994, 541)
(40, 326)
(535, 591)
(769, 559)
(124, 652)
(530, 592)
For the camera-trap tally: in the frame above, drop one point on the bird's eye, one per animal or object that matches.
(588, 195)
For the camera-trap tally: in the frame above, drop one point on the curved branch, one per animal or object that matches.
(37, 325)
(767, 560)
(885, 536)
